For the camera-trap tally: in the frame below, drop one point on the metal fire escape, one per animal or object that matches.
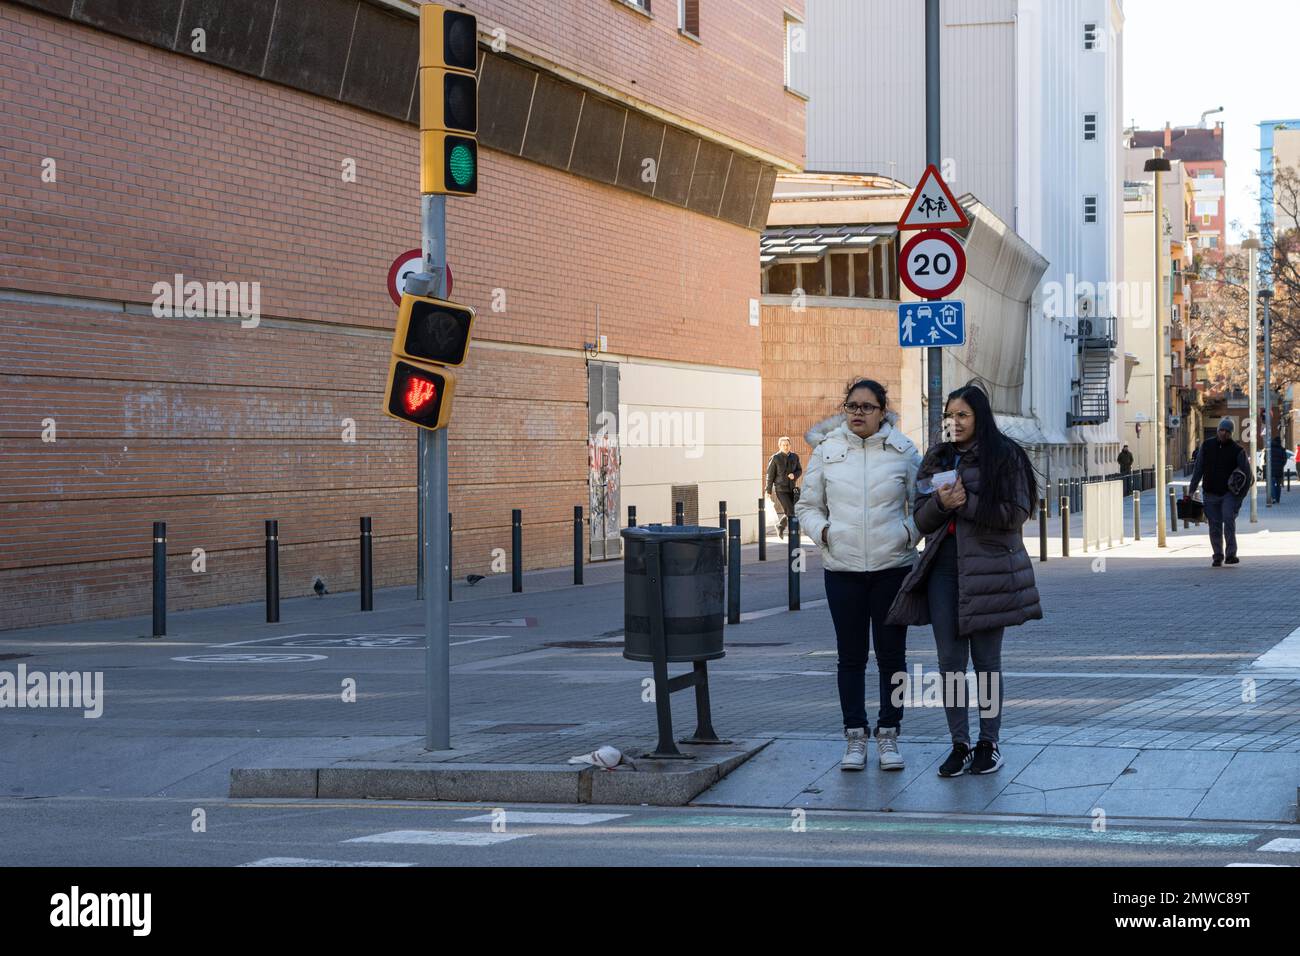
(1090, 394)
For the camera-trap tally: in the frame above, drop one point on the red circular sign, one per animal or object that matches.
(405, 264)
(932, 264)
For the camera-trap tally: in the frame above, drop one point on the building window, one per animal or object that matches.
(782, 279)
(796, 46)
(1089, 127)
(1090, 36)
(840, 275)
(642, 5)
(812, 277)
(1089, 208)
(688, 17)
(1207, 220)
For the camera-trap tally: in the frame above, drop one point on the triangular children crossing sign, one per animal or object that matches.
(933, 205)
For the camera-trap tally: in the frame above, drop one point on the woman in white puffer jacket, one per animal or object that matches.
(857, 492)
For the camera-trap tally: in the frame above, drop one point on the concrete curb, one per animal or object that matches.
(656, 783)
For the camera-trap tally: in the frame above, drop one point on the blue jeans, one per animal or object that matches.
(1221, 512)
(1277, 486)
(859, 602)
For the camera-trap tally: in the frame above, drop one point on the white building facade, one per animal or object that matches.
(1031, 126)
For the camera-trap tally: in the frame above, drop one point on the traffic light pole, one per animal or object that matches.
(433, 499)
(933, 356)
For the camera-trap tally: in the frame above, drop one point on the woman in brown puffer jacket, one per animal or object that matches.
(974, 578)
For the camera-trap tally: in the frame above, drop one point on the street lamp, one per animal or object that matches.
(1251, 244)
(1155, 166)
(1267, 295)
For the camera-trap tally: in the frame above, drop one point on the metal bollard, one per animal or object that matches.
(272, 572)
(1137, 515)
(450, 563)
(1173, 512)
(733, 572)
(1065, 526)
(792, 576)
(367, 569)
(516, 551)
(160, 579)
(1042, 529)
(631, 516)
(577, 544)
(679, 513)
(722, 523)
(762, 529)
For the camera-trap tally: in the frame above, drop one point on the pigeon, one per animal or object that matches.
(319, 587)
(606, 757)
(473, 579)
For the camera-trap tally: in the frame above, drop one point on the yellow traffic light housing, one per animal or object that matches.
(418, 393)
(432, 330)
(448, 101)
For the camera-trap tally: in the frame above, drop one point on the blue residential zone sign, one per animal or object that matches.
(932, 324)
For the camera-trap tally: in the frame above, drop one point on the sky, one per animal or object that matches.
(1182, 58)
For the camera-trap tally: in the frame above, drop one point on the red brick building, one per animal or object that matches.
(273, 145)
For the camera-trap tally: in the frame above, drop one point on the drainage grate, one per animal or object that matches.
(527, 728)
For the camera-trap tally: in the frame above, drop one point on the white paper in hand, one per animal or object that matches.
(928, 486)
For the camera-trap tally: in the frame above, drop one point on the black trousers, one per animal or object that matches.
(786, 501)
(859, 602)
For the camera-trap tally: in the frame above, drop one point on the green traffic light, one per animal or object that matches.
(461, 163)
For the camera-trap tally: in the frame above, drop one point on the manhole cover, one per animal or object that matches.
(527, 728)
(250, 658)
(583, 644)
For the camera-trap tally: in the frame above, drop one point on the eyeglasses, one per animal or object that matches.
(861, 409)
(959, 416)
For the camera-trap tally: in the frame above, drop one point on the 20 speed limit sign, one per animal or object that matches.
(932, 264)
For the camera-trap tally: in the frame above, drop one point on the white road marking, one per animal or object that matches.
(298, 861)
(1283, 865)
(563, 819)
(784, 608)
(498, 637)
(1282, 845)
(437, 838)
(1283, 656)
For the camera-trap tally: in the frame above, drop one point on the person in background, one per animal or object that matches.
(974, 579)
(1216, 460)
(1277, 461)
(1125, 461)
(783, 471)
(861, 476)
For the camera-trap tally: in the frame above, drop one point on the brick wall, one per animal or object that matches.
(167, 165)
(809, 358)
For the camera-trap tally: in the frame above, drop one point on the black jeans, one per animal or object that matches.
(859, 602)
(785, 499)
(983, 647)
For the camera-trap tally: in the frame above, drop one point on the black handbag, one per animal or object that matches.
(1189, 509)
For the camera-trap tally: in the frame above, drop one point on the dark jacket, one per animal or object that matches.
(1277, 457)
(1215, 461)
(1125, 460)
(780, 465)
(995, 578)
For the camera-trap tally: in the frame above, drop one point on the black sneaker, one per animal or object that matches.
(1232, 560)
(958, 761)
(1217, 563)
(988, 759)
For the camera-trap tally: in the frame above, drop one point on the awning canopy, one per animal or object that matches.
(806, 243)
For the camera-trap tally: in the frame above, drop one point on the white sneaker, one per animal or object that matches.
(887, 748)
(855, 749)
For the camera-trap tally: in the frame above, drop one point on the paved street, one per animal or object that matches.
(1117, 702)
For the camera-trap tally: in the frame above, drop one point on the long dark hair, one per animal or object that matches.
(1003, 464)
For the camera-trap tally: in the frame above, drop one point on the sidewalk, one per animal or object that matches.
(1128, 696)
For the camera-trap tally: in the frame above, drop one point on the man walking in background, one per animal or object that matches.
(1222, 464)
(1125, 461)
(783, 471)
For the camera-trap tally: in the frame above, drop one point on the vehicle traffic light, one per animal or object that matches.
(448, 101)
(431, 335)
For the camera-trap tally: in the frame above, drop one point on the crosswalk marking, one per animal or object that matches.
(1282, 845)
(299, 861)
(563, 819)
(438, 837)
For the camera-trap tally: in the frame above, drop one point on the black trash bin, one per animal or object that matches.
(694, 592)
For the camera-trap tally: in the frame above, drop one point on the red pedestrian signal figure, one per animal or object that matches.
(419, 392)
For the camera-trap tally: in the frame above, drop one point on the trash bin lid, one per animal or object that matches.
(672, 532)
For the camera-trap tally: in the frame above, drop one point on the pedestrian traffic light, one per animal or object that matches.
(432, 330)
(420, 394)
(431, 334)
(448, 101)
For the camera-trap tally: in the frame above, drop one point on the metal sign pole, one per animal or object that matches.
(437, 654)
(933, 356)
